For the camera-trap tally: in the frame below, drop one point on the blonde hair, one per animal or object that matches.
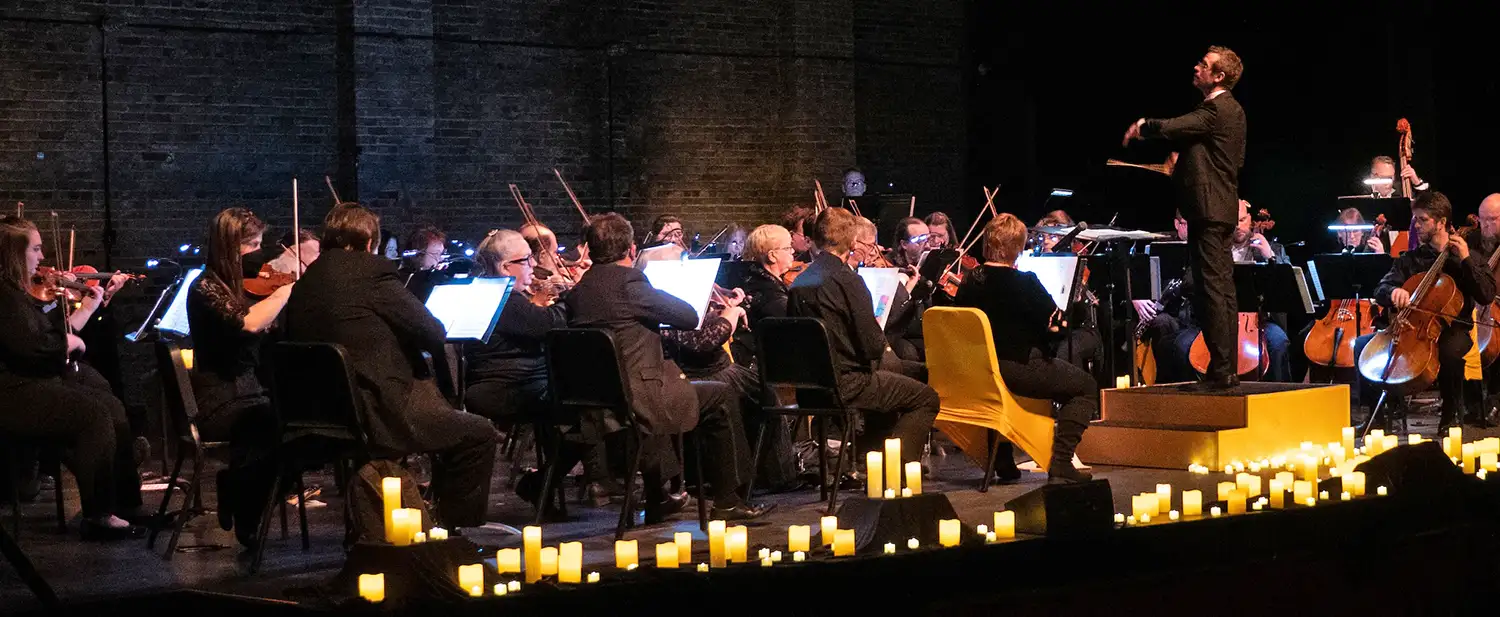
(1004, 238)
(762, 240)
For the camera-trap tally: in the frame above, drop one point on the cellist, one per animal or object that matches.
(1430, 214)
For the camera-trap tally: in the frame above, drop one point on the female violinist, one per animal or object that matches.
(228, 330)
(770, 250)
(42, 405)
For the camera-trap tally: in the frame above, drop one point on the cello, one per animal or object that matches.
(1403, 358)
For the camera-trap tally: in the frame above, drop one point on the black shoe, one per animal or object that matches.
(223, 485)
(1003, 475)
(1067, 474)
(93, 531)
(1478, 421)
(672, 504)
(742, 512)
(1212, 385)
(529, 486)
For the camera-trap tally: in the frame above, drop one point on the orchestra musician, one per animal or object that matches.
(229, 330)
(425, 248)
(42, 406)
(1431, 213)
(1211, 140)
(615, 296)
(895, 405)
(1251, 246)
(903, 327)
(1360, 241)
(1484, 241)
(798, 221)
(854, 184)
(353, 297)
(667, 229)
(1382, 181)
(1026, 325)
(771, 250)
(939, 231)
(1055, 218)
(285, 259)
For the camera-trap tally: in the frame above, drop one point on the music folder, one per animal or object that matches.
(469, 308)
(175, 320)
(689, 280)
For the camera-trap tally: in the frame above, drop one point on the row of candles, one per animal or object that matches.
(883, 473)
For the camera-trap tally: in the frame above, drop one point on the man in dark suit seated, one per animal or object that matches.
(615, 296)
(830, 291)
(354, 298)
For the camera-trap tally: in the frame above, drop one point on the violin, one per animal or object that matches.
(798, 267)
(1403, 358)
(267, 281)
(49, 284)
(951, 280)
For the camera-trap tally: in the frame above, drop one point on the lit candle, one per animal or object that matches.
(1255, 506)
(684, 546)
(187, 359)
(702, 567)
(982, 529)
(508, 560)
(372, 587)
(1354, 482)
(1301, 491)
(1119, 518)
(1192, 503)
(892, 463)
(1323, 495)
(1391, 441)
(799, 556)
(1456, 434)
(1138, 507)
(1164, 495)
(570, 562)
(1236, 501)
(1448, 447)
(1345, 496)
(829, 525)
(890, 548)
(1413, 439)
(1224, 489)
(874, 480)
(843, 543)
(1123, 381)
(476, 591)
(1481, 474)
(399, 531)
(799, 538)
(717, 550)
(1278, 494)
(471, 576)
(1467, 454)
(990, 538)
(1380, 490)
(500, 589)
(418, 538)
(1310, 469)
(549, 561)
(437, 533)
(1005, 524)
(890, 493)
(513, 586)
(1129, 520)
(1348, 438)
(906, 491)
(531, 541)
(666, 555)
(766, 563)
(1173, 515)
(1249, 483)
(1489, 462)
(1214, 511)
(593, 578)
(948, 532)
(1311, 501)
(739, 544)
(913, 479)
(776, 556)
(627, 553)
(1146, 518)
(1287, 478)
(912, 543)
(764, 553)
(390, 490)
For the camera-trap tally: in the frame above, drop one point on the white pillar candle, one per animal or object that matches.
(508, 560)
(549, 561)
(1354, 482)
(1005, 524)
(1192, 503)
(1278, 494)
(570, 562)
(531, 541)
(684, 541)
(874, 475)
(739, 544)
(471, 576)
(390, 491)
(513, 586)
(717, 544)
(1236, 502)
(1249, 483)
(829, 525)
(913, 479)
(1224, 489)
(627, 553)
(1489, 462)
(372, 587)
(666, 555)
(948, 530)
(799, 538)
(1164, 494)
(1302, 491)
(843, 543)
(399, 531)
(893, 463)
(1348, 438)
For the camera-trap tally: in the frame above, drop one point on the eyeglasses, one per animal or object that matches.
(524, 261)
(784, 248)
(918, 239)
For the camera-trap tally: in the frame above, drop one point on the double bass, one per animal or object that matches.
(1403, 358)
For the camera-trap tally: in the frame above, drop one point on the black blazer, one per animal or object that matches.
(31, 346)
(1211, 150)
(831, 292)
(765, 296)
(355, 299)
(620, 299)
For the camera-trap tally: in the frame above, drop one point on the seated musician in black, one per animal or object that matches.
(1026, 324)
(507, 376)
(903, 328)
(894, 405)
(1484, 241)
(45, 406)
(420, 263)
(615, 296)
(353, 297)
(1430, 214)
(229, 329)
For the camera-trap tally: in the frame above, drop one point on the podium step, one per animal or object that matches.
(1163, 426)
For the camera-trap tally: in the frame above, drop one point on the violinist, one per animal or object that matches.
(42, 407)
(283, 259)
(667, 229)
(939, 231)
(903, 328)
(770, 249)
(1431, 213)
(507, 376)
(798, 221)
(1026, 323)
(552, 275)
(1250, 245)
(229, 329)
(1373, 241)
(426, 247)
(1055, 218)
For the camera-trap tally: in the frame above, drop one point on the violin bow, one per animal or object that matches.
(526, 213)
(20, 209)
(819, 199)
(710, 241)
(333, 191)
(297, 227)
(572, 196)
(72, 244)
(966, 244)
(911, 211)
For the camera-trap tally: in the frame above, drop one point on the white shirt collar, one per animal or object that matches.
(1212, 95)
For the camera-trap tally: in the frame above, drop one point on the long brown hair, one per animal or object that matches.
(15, 240)
(230, 229)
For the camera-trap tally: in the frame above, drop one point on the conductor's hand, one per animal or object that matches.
(1400, 298)
(1459, 246)
(1134, 132)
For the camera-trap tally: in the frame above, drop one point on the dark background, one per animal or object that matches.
(1323, 87)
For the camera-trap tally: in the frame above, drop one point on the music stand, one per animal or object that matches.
(1173, 256)
(1397, 210)
(1344, 275)
(1271, 288)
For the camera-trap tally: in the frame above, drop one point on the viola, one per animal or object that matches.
(267, 281)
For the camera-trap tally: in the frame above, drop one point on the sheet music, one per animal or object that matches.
(882, 283)
(1056, 272)
(175, 320)
(691, 281)
(1307, 302)
(470, 309)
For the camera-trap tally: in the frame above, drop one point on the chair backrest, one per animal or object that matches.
(315, 388)
(177, 396)
(963, 369)
(585, 371)
(794, 353)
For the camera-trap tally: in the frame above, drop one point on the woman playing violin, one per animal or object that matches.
(228, 331)
(42, 405)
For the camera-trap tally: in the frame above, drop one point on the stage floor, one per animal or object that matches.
(88, 571)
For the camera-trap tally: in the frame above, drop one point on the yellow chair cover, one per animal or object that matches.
(961, 366)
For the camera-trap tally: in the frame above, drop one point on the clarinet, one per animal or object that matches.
(1167, 295)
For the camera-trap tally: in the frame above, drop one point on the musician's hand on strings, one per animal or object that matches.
(1374, 245)
(115, 283)
(1262, 246)
(93, 299)
(1459, 245)
(1400, 298)
(75, 345)
(1411, 174)
(1134, 132)
(735, 297)
(1145, 309)
(1057, 322)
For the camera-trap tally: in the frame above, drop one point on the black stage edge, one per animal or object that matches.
(879, 521)
(1419, 553)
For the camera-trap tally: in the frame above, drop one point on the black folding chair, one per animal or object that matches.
(26, 570)
(20, 454)
(181, 409)
(586, 375)
(320, 414)
(794, 355)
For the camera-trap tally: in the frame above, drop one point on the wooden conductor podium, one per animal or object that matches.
(1165, 427)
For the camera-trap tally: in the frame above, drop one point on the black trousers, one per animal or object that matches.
(508, 403)
(92, 425)
(894, 406)
(1214, 302)
(463, 449)
(1453, 343)
(778, 461)
(721, 435)
(1056, 380)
